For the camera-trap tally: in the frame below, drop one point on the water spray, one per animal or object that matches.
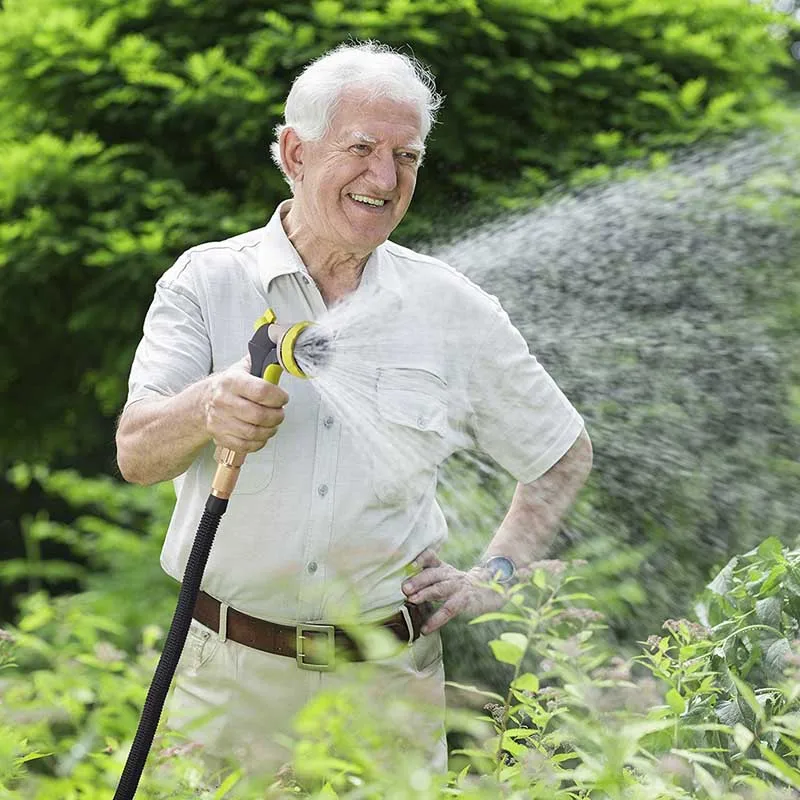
(274, 349)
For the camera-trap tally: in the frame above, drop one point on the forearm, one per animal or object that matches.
(536, 509)
(158, 439)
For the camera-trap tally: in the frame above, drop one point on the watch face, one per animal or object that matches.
(502, 568)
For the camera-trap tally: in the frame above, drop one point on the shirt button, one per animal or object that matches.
(328, 422)
(312, 567)
(422, 422)
(322, 489)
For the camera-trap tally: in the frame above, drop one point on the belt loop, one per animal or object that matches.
(407, 617)
(223, 622)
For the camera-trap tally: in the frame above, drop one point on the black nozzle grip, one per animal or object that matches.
(263, 351)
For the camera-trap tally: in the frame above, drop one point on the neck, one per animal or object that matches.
(336, 272)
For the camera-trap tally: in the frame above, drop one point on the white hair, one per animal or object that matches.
(369, 67)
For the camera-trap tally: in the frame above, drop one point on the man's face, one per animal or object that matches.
(356, 183)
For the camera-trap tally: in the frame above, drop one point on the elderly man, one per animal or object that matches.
(318, 524)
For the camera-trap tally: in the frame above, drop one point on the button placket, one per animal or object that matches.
(322, 499)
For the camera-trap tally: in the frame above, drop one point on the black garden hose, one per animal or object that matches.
(272, 350)
(170, 655)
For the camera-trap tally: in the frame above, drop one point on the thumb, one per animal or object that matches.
(244, 363)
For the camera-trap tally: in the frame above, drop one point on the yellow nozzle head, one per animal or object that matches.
(315, 349)
(286, 349)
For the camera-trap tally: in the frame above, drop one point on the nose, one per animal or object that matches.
(383, 171)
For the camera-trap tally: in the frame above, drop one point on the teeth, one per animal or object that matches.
(370, 201)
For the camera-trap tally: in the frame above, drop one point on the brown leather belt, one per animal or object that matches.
(315, 646)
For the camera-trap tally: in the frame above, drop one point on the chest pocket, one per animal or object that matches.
(413, 437)
(257, 470)
(255, 474)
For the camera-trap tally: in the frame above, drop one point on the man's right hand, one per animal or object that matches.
(243, 412)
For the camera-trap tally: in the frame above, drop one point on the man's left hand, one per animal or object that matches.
(459, 592)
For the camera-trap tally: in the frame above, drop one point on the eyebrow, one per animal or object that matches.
(416, 145)
(365, 137)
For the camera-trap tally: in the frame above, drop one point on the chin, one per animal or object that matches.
(369, 241)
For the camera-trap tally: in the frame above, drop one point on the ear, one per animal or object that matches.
(292, 154)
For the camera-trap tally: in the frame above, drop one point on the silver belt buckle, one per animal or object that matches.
(329, 631)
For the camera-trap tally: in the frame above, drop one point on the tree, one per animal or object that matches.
(133, 129)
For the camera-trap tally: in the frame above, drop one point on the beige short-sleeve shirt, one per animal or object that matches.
(323, 523)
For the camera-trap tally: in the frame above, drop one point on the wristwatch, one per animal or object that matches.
(502, 569)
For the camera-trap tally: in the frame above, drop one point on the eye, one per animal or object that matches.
(408, 156)
(361, 149)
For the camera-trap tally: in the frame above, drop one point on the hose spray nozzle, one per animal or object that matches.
(301, 349)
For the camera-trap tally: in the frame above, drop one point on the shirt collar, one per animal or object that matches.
(380, 273)
(277, 256)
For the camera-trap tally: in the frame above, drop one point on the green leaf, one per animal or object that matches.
(675, 701)
(770, 549)
(502, 616)
(527, 682)
(228, 784)
(692, 92)
(775, 657)
(747, 694)
(743, 737)
(475, 690)
(719, 106)
(777, 767)
(723, 581)
(729, 712)
(509, 648)
(699, 758)
(768, 611)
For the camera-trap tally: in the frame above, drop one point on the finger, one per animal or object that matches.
(452, 608)
(267, 394)
(247, 412)
(443, 590)
(427, 558)
(427, 577)
(243, 419)
(237, 382)
(257, 434)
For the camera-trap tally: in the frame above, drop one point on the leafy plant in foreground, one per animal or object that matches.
(578, 720)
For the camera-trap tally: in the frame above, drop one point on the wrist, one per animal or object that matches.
(499, 568)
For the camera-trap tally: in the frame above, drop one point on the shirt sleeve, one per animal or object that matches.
(519, 415)
(175, 350)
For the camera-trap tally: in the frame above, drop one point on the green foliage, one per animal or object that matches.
(111, 548)
(576, 721)
(132, 130)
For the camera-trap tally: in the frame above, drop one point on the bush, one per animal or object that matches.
(575, 720)
(132, 130)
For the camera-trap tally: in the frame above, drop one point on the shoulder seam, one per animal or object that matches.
(202, 248)
(173, 286)
(199, 249)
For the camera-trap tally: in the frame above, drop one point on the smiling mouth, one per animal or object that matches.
(366, 200)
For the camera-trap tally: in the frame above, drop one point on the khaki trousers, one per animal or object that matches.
(243, 704)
